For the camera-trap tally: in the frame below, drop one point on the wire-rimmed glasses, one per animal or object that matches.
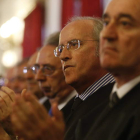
(26, 69)
(71, 45)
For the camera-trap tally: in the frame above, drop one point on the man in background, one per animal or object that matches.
(51, 79)
(32, 83)
(19, 80)
(9, 77)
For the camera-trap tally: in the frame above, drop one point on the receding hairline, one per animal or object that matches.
(96, 22)
(78, 18)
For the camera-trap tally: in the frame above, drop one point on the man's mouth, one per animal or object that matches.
(67, 66)
(46, 89)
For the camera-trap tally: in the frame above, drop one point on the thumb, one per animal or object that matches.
(56, 112)
(23, 92)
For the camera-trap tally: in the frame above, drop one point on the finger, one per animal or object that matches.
(26, 128)
(18, 127)
(3, 99)
(56, 112)
(36, 105)
(23, 92)
(9, 92)
(25, 114)
(27, 109)
(5, 105)
(20, 106)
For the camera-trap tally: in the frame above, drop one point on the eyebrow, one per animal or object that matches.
(126, 16)
(121, 15)
(69, 41)
(48, 65)
(105, 16)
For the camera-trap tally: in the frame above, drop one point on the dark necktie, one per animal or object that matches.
(76, 103)
(114, 99)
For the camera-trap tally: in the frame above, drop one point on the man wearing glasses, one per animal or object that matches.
(78, 51)
(32, 83)
(50, 76)
(51, 79)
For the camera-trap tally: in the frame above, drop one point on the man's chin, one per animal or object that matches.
(50, 95)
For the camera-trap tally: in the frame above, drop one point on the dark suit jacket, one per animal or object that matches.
(67, 108)
(122, 122)
(97, 100)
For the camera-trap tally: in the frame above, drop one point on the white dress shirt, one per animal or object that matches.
(123, 90)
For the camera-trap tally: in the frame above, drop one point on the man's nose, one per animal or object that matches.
(65, 54)
(29, 74)
(39, 76)
(109, 31)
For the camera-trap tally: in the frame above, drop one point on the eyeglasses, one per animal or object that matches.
(46, 69)
(26, 69)
(71, 45)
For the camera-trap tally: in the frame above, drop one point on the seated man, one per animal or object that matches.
(78, 51)
(32, 84)
(19, 80)
(51, 79)
(120, 55)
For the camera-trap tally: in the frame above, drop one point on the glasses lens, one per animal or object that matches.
(48, 70)
(35, 68)
(74, 44)
(58, 51)
(25, 70)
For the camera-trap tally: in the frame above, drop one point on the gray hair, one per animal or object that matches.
(53, 39)
(97, 27)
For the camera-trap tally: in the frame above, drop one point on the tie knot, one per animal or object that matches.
(76, 103)
(114, 99)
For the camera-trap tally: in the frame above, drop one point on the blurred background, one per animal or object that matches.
(24, 24)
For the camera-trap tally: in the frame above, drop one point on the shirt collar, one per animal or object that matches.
(67, 99)
(123, 90)
(106, 79)
(43, 99)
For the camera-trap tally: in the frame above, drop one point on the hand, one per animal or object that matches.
(7, 97)
(32, 122)
(3, 134)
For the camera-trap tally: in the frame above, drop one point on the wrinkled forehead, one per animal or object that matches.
(76, 30)
(130, 7)
(46, 56)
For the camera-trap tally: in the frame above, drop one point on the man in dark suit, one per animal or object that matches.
(49, 74)
(120, 55)
(80, 63)
(82, 72)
